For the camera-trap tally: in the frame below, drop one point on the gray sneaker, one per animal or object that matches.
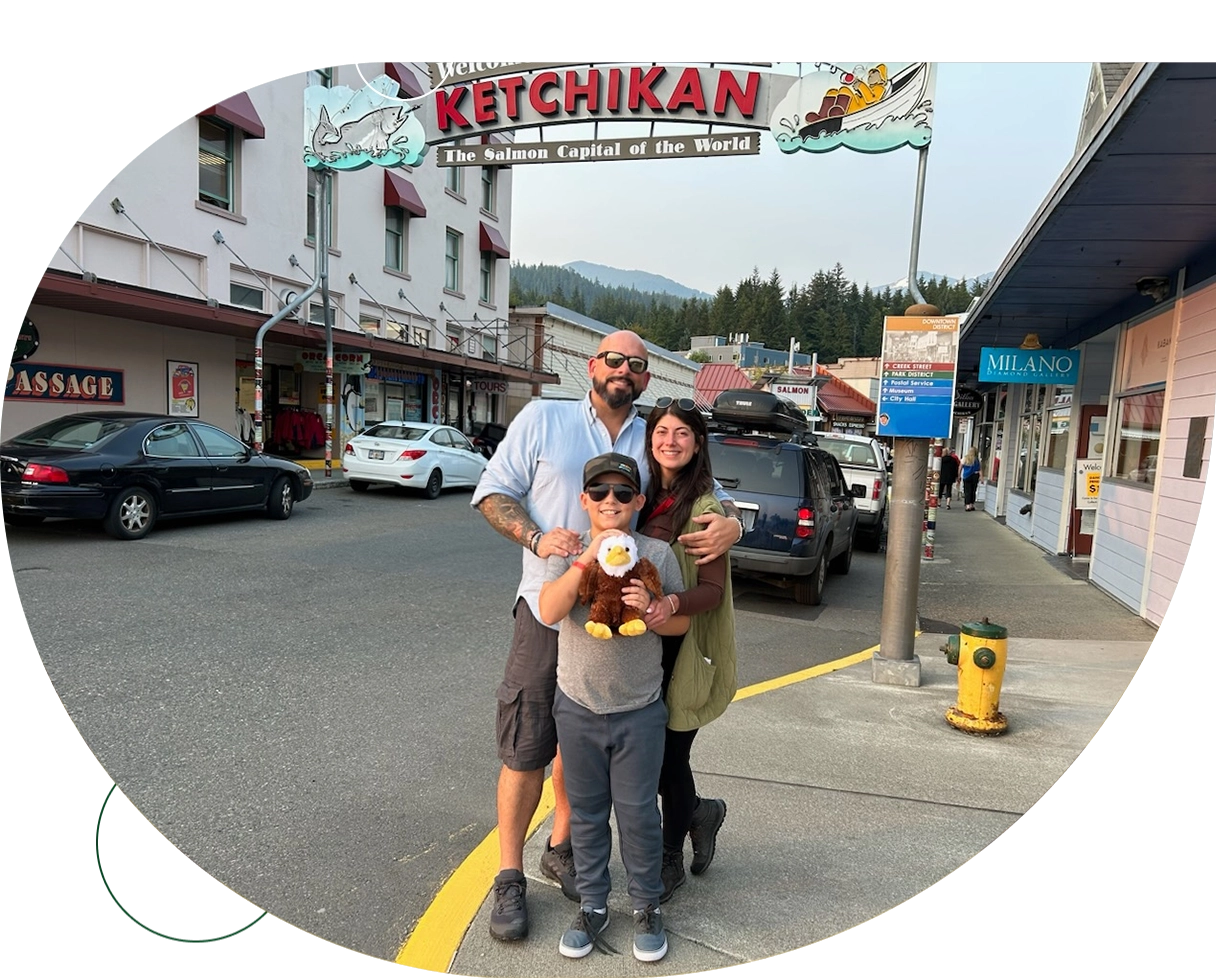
(707, 818)
(584, 934)
(509, 917)
(557, 863)
(649, 940)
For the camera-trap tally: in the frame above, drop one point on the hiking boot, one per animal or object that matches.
(557, 862)
(707, 818)
(673, 872)
(509, 918)
(584, 934)
(649, 940)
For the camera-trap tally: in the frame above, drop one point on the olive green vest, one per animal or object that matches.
(703, 681)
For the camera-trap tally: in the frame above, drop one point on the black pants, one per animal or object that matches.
(676, 784)
(947, 489)
(970, 484)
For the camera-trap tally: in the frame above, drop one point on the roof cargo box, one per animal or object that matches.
(758, 410)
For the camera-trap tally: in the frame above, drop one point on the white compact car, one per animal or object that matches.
(420, 456)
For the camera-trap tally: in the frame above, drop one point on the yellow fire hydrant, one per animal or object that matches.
(979, 653)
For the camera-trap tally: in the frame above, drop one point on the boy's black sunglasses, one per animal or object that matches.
(598, 491)
(683, 403)
(613, 359)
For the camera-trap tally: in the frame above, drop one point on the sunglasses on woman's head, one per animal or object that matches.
(598, 492)
(613, 360)
(683, 403)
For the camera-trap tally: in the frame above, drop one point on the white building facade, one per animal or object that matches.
(567, 340)
(200, 240)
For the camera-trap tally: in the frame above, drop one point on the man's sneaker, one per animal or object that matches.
(649, 940)
(673, 872)
(707, 818)
(509, 918)
(557, 862)
(584, 934)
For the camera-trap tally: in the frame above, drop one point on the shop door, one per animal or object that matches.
(1091, 444)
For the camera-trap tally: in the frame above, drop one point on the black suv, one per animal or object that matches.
(797, 509)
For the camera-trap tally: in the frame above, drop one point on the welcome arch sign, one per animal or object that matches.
(871, 107)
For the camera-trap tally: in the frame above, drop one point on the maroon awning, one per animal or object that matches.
(492, 241)
(839, 402)
(238, 111)
(403, 77)
(399, 192)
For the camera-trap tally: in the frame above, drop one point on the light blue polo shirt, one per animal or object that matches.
(540, 463)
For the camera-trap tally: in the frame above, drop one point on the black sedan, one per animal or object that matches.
(130, 470)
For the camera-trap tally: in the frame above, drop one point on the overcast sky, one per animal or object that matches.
(1002, 134)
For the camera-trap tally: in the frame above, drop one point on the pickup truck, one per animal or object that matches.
(864, 465)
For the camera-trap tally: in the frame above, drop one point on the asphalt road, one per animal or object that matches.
(306, 709)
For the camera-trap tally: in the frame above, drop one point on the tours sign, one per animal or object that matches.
(872, 107)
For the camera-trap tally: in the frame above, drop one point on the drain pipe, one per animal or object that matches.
(287, 310)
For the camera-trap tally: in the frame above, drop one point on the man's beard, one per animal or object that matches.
(616, 397)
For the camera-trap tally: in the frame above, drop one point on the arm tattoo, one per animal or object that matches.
(508, 517)
(730, 509)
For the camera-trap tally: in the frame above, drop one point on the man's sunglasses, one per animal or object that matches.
(598, 492)
(683, 403)
(613, 360)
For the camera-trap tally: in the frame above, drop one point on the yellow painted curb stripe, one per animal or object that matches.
(796, 677)
(435, 941)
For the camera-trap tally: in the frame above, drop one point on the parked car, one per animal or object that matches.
(412, 454)
(864, 464)
(131, 470)
(798, 513)
(488, 438)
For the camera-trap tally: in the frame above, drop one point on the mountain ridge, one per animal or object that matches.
(634, 278)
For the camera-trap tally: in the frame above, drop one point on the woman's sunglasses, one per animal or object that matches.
(683, 403)
(598, 492)
(613, 360)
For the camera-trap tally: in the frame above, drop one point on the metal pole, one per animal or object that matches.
(896, 663)
(815, 389)
(932, 488)
(324, 233)
(278, 317)
(921, 164)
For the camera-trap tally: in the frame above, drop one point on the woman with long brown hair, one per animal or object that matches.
(698, 668)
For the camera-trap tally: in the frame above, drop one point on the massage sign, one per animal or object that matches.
(58, 382)
(816, 107)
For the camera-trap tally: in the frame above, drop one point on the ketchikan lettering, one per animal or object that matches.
(613, 92)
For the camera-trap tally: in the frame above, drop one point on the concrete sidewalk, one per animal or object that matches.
(847, 798)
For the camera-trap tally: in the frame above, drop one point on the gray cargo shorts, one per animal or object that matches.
(527, 735)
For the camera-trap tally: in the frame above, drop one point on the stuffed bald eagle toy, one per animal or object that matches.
(616, 564)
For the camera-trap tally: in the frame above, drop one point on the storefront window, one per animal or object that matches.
(1058, 421)
(1139, 441)
(992, 434)
(1029, 431)
(1141, 399)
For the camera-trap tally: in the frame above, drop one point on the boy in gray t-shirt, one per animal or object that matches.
(611, 718)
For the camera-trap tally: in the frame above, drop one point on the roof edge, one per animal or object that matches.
(1133, 84)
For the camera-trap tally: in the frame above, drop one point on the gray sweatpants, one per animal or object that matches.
(612, 762)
